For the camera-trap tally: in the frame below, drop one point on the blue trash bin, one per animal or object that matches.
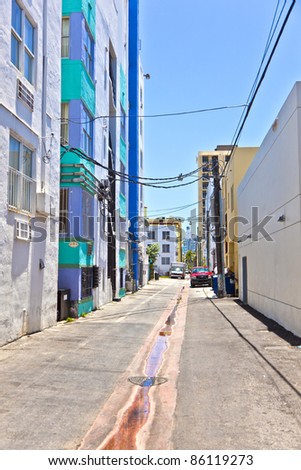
(230, 285)
(215, 284)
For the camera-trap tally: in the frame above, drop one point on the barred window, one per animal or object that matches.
(21, 185)
(87, 282)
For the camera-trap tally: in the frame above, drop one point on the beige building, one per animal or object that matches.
(204, 162)
(233, 175)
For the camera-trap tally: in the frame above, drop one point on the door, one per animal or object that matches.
(244, 280)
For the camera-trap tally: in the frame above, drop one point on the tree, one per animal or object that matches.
(190, 258)
(152, 251)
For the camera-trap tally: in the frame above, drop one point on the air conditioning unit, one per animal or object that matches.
(23, 230)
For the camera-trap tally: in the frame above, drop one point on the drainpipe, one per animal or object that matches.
(44, 97)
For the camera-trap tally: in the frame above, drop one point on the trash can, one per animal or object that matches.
(63, 304)
(215, 284)
(230, 285)
(156, 276)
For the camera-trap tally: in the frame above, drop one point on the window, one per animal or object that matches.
(87, 215)
(28, 50)
(165, 260)
(65, 37)
(16, 33)
(151, 235)
(23, 230)
(87, 282)
(87, 133)
(165, 248)
(166, 235)
(64, 123)
(64, 224)
(21, 186)
(22, 42)
(88, 52)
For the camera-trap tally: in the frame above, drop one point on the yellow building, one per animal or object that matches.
(233, 174)
(204, 162)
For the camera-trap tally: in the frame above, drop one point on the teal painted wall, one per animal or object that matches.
(122, 258)
(122, 292)
(123, 151)
(70, 157)
(85, 6)
(76, 84)
(74, 257)
(123, 96)
(122, 206)
(85, 306)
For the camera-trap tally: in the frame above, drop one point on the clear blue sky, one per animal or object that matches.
(204, 54)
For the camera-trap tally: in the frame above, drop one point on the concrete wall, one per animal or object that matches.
(272, 184)
(28, 292)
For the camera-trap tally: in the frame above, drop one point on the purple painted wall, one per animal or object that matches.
(70, 278)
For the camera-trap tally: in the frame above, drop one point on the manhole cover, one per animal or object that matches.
(143, 381)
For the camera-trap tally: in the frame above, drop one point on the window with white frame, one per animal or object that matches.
(64, 123)
(87, 215)
(87, 133)
(166, 235)
(22, 41)
(166, 248)
(64, 222)
(165, 260)
(88, 44)
(151, 235)
(65, 37)
(21, 185)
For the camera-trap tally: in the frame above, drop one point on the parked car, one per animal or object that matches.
(200, 276)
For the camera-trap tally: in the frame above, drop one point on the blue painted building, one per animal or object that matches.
(93, 201)
(136, 99)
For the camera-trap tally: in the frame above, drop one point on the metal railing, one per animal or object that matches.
(21, 191)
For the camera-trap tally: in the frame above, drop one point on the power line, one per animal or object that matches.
(257, 83)
(134, 179)
(158, 115)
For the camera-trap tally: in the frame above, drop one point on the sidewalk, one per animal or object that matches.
(239, 385)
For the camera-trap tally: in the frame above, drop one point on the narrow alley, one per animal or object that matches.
(169, 367)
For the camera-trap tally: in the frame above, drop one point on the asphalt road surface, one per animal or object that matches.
(166, 368)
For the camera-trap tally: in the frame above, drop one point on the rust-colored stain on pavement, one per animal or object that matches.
(133, 420)
(137, 413)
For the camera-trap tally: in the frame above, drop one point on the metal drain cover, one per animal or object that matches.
(144, 381)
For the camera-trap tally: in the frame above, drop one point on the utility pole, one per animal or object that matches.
(217, 226)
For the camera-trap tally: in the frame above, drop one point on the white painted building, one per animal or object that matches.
(111, 149)
(270, 195)
(167, 232)
(29, 174)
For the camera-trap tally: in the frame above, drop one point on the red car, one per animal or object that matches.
(200, 276)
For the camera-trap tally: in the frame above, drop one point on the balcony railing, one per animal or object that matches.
(21, 191)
